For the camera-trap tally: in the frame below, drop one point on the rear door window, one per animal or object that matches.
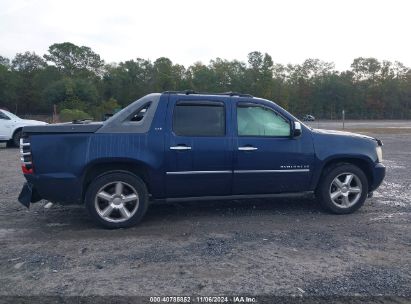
(199, 118)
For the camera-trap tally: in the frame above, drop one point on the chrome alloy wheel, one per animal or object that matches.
(345, 190)
(116, 202)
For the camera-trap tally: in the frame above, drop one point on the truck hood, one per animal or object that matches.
(345, 134)
(64, 128)
(341, 133)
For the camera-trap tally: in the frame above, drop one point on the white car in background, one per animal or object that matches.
(11, 126)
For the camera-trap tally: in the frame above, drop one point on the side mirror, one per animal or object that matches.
(297, 130)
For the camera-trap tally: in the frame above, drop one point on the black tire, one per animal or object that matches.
(103, 183)
(16, 138)
(326, 184)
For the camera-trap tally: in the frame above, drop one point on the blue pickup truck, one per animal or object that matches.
(191, 146)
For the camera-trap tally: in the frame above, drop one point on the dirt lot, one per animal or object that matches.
(282, 247)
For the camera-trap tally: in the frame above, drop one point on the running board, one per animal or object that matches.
(235, 197)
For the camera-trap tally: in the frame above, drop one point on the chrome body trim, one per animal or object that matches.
(180, 148)
(237, 171)
(272, 171)
(247, 148)
(199, 172)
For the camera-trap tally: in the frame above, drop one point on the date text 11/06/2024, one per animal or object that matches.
(203, 299)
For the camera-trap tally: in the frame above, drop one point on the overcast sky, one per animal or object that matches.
(196, 30)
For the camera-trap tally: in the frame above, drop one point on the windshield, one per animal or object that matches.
(10, 115)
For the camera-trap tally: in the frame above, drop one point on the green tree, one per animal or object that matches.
(365, 68)
(68, 115)
(25, 67)
(105, 107)
(201, 77)
(8, 91)
(27, 62)
(72, 59)
(77, 79)
(166, 76)
(128, 80)
(70, 93)
(4, 61)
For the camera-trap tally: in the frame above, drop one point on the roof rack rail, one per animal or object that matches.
(192, 92)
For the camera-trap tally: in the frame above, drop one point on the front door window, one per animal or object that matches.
(261, 121)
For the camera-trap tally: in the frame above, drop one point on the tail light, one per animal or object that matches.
(25, 156)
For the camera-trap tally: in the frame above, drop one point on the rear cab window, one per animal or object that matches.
(140, 113)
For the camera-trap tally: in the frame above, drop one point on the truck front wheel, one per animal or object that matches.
(117, 200)
(342, 189)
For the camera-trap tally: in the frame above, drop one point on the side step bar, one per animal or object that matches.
(235, 197)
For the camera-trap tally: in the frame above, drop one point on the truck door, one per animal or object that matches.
(266, 158)
(198, 147)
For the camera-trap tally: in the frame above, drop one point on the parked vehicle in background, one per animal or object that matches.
(308, 117)
(12, 125)
(189, 146)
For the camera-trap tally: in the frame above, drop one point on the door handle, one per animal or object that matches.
(180, 148)
(247, 148)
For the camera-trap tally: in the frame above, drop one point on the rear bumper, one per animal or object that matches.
(61, 188)
(378, 176)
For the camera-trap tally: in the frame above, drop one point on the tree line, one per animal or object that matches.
(80, 83)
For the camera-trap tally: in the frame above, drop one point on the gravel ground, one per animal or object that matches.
(287, 247)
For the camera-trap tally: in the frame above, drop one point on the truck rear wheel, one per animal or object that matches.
(342, 189)
(117, 200)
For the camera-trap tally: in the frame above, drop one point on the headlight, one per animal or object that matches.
(379, 154)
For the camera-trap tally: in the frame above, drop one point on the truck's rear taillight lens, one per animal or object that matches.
(25, 156)
(26, 170)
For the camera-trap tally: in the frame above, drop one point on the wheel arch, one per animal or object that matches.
(104, 166)
(361, 162)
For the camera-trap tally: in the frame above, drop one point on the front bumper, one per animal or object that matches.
(378, 176)
(28, 195)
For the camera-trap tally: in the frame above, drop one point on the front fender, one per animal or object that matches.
(330, 148)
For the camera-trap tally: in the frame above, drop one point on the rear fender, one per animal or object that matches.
(101, 166)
